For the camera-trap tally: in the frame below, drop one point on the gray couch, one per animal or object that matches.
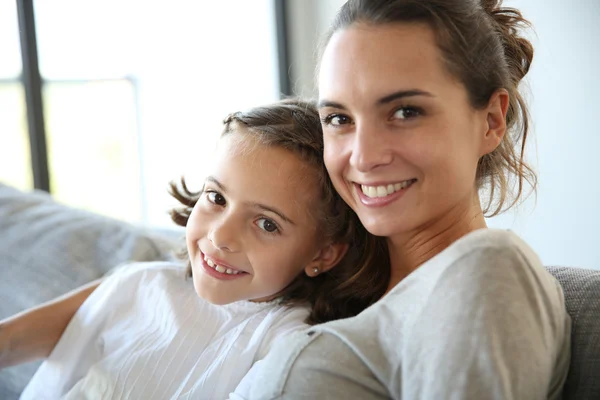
(47, 249)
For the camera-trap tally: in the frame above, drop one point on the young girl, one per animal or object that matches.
(271, 247)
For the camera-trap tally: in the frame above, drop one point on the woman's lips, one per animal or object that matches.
(379, 195)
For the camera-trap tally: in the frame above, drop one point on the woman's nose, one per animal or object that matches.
(370, 148)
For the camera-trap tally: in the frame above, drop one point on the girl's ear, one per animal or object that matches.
(326, 258)
(495, 121)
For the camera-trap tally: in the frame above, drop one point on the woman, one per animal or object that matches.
(421, 113)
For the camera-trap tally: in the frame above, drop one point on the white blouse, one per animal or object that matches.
(145, 334)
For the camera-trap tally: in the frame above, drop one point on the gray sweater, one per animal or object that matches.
(481, 320)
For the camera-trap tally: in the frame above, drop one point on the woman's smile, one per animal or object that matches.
(379, 195)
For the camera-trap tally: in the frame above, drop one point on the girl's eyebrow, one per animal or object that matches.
(273, 210)
(216, 182)
(253, 204)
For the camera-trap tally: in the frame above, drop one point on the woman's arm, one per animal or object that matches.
(495, 327)
(33, 333)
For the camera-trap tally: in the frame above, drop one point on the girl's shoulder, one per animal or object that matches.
(147, 270)
(133, 277)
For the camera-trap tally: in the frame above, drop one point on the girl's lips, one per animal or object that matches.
(220, 262)
(381, 201)
(220, 275)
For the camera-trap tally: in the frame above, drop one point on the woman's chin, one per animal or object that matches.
(379, 227)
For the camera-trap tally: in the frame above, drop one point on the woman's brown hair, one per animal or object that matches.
(482, 48)
(362, 276)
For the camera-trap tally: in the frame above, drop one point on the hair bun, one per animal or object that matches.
(517, 50)
(490, 5)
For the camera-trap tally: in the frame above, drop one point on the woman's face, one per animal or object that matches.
(401, 138)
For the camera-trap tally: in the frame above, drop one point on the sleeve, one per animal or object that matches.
(312, 365)
(242, 391)
(494, 327)
(79, 346)
(289, 321)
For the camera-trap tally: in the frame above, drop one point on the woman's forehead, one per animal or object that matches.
(365, 60)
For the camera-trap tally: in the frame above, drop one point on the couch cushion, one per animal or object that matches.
(47, 249)
(582, 298)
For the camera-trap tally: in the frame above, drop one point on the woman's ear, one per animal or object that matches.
(327, 258)
(495, 127)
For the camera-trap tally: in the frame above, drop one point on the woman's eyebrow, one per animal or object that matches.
(402, 94)
(327, 103)
(384, 100)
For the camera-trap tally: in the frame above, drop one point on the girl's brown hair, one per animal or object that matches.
(482, 48)
(362, 276)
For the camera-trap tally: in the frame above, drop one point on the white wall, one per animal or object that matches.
(309, 20)
(563, 223)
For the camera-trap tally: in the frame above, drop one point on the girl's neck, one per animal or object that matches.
(409, 250)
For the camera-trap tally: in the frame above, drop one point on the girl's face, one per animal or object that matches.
(252, 231)
(402, 141)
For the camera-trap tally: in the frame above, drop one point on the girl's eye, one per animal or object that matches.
(336, 120)
(406, 113)
(215, 198)
(267, 225)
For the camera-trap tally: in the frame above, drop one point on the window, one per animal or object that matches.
(135, 92)
(15, 161)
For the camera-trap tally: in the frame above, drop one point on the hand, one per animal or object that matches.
(4, 345)
(32, 334)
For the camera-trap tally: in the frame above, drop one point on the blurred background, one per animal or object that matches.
(102, 103)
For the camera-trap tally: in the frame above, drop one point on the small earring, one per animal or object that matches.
(316, 270)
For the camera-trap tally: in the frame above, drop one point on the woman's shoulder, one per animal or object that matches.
(493, 241)
(488, 255)
(495, 270)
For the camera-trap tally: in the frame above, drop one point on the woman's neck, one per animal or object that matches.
(410, 250)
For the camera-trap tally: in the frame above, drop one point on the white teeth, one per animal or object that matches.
(382, 191)
(220, 269)
(370, 191)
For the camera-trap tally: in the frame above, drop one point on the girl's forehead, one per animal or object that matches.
(239, 141)
(255, 172)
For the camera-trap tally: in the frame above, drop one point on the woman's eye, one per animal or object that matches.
(267, 225)
(336, 120)
(406, 113)
(216, 198)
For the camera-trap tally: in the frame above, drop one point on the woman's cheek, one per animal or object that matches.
(335, 151)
